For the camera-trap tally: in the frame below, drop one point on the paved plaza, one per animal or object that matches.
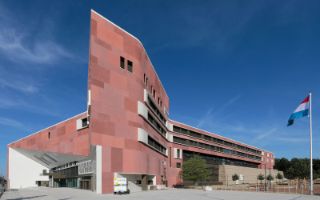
(171, 194)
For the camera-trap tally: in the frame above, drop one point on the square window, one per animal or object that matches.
(84, 122)
(178, 153)
(178, 165)
(122, 62)
(130, 66)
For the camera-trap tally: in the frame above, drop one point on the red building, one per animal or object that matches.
(125, 132)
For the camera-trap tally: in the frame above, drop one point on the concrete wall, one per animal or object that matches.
(23, 171)
(249, 174)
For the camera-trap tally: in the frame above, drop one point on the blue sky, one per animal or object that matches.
(236, 68)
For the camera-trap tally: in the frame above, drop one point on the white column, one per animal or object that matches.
(99, 169)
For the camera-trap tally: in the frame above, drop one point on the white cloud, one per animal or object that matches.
(263, 134)
(220, 120)
(293, 139)
(19, 85)
(15, 48)
(23, 48)
(23, 43)
(21, 104)
(12, 123)
(9, 103)
(211, 113)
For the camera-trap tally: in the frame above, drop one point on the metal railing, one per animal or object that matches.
(292, 187)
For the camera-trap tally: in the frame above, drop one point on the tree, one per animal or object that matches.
(316, 168)
(282, 164)
(260, 177)
(235, 177)
(297, 167)
(195, 169)
(290, 173)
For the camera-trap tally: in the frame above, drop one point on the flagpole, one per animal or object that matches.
(311, 162)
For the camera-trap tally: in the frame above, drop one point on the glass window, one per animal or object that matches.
(130, 66)
(84, 122)
(122, 61)
(156, 145)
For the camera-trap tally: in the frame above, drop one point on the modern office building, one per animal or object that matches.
(125, 131)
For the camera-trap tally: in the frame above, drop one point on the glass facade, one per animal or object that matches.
(156, 125)
(216, 160)
(156, 145)
(214, 148)
(156, 110)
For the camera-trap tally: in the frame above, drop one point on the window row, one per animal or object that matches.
(123, 64)
(156, 110)
(156, 125)
(156, 145)
(152, 90)
(215, 160)
(213, 139)
(213, 148)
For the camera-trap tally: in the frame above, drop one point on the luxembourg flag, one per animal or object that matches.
(301, 111)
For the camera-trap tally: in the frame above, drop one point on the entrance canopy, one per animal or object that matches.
(50, 159)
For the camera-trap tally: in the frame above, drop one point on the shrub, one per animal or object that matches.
(235, 177)
(260, 177)
(269, 177)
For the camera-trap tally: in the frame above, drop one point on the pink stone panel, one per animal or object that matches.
(117, 160)
(268, 160)
(64, 138)
(107, 182)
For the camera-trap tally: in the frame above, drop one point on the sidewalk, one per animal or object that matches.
(171, 194)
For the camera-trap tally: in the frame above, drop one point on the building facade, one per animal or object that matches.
(125, 131)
